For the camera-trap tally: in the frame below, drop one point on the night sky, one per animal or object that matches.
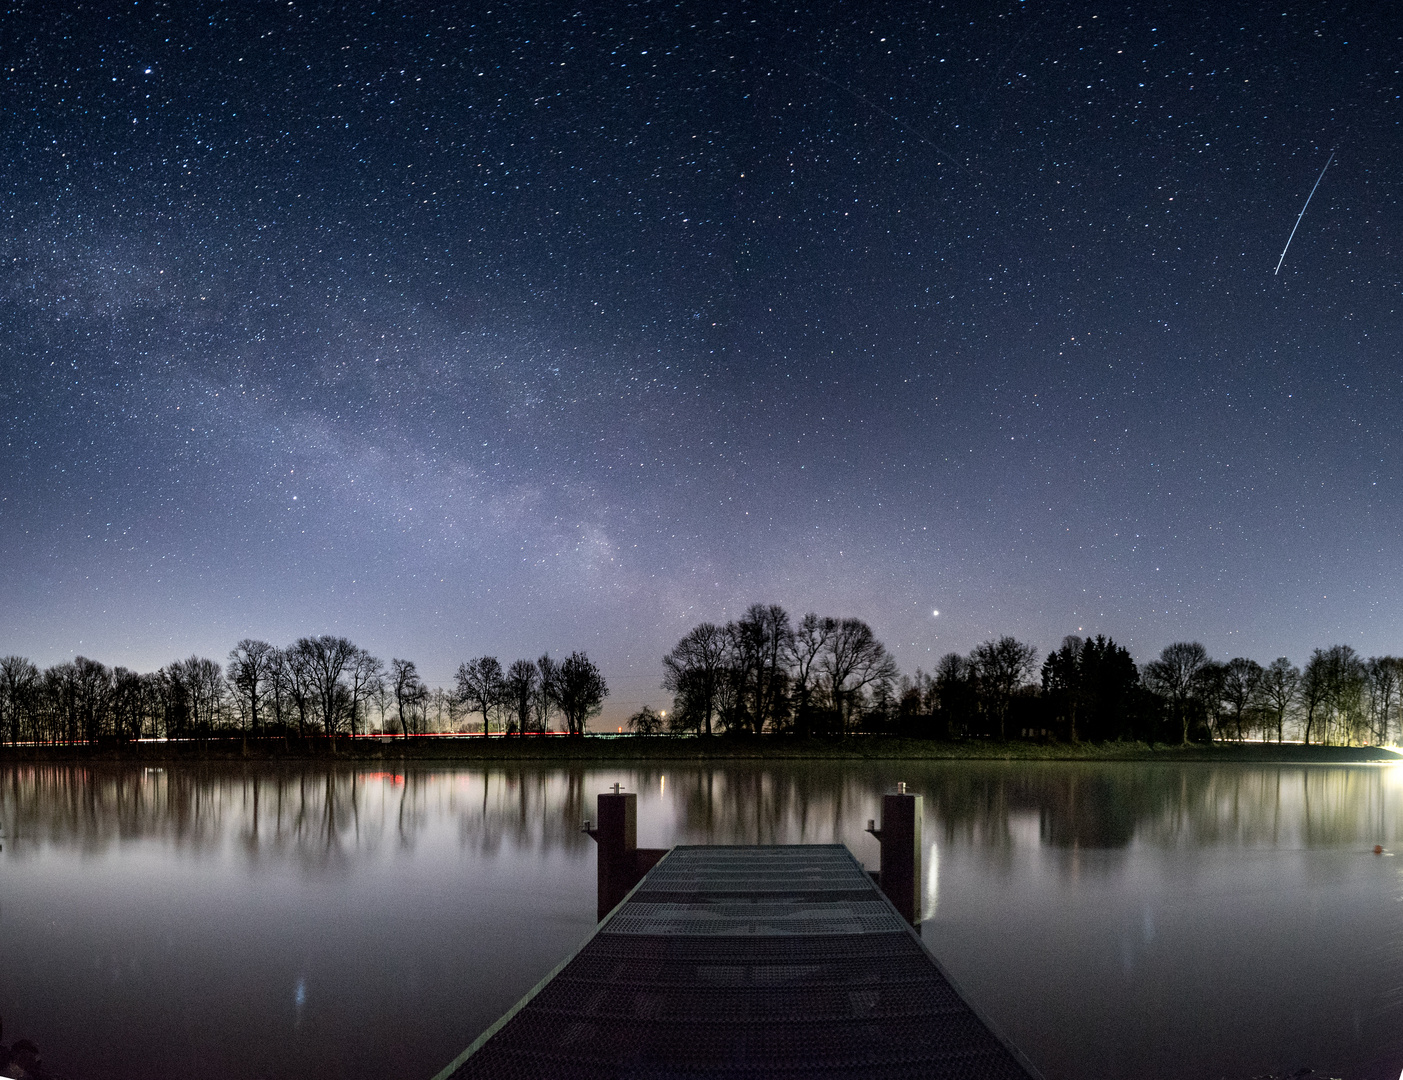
(525, 327)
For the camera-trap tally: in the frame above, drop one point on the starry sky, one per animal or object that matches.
(488, 328)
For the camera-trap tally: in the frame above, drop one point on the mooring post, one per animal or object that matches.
(900, 838)
(617, 837)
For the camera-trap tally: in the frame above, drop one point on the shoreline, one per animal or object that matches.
(430, 750)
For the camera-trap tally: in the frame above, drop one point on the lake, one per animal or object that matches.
(1115, 920)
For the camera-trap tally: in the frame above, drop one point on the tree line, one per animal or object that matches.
(322, 686)
(764, 673)
(821, 675)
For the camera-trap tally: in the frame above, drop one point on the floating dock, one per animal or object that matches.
(746, 962)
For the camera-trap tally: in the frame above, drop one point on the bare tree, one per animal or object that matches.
(206, 681)
(1315, 692)
(1001, 669)
(694, 671)
(294, 678)
(407, 687)
(854, 661)
(1175, 677)
(807, 646)
(520, 693)
(580, 691)
(152, 713)
(193, 692)
(174, 696)
(1332, 689)
(365, 676)
(19, 683)
(1348, 677)
(128, 704)
(547, 680)
(1382, 685)
(250, 673)
(480, 687)
(1209, 691)
(759, 646)
(321, 663)
(1280, 690)
(1242, 684)
(93, 699)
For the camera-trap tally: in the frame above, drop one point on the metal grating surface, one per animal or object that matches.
(748, 962)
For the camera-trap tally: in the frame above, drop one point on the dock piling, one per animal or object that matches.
(900, 838)
(621, 862)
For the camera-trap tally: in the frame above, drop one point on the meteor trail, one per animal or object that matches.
(1303, 213)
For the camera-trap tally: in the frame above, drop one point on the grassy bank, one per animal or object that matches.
(594, 749)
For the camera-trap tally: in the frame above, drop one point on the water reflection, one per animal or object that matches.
(319, 816)
(1127, 920)
(315, 816)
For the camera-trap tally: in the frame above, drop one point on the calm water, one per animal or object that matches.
(1116, 920)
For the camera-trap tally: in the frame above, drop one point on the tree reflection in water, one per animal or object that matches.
(1103, 913)
(320, 816)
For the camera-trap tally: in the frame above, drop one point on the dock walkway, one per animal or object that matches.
(746, 962)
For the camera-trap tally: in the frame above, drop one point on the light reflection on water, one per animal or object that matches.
(1116, 920)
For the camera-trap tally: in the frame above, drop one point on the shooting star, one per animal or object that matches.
(1298, 220)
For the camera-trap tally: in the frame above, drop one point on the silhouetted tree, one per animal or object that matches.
(911, 695)
(19, 685)
(409, 692)
(520, 692)
(250, 673)
(758, 646)
(1001, 668)
(853, 662)
(694, 672)
(174, 698)
(1062, 683)
(547, 680)
(955, 697)
(1279, 692)
(481, 687)
(1175, 676)
(1093, 686)
(808, 644)
(128, 704)
(365, 682)
(92, 682)
(1208, 697)
(1382, 686)
(1113, 699)
(322, 663)
(1332, 689)
(580, 691)
(645, 722)
(444, 707)
(1242, 691)
(294, 677)
(1347, 679)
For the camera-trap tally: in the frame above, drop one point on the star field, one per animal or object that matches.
(510, 328)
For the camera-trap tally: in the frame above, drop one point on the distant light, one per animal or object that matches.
(935, 613)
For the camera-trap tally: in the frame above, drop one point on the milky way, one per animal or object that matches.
(541, 327)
